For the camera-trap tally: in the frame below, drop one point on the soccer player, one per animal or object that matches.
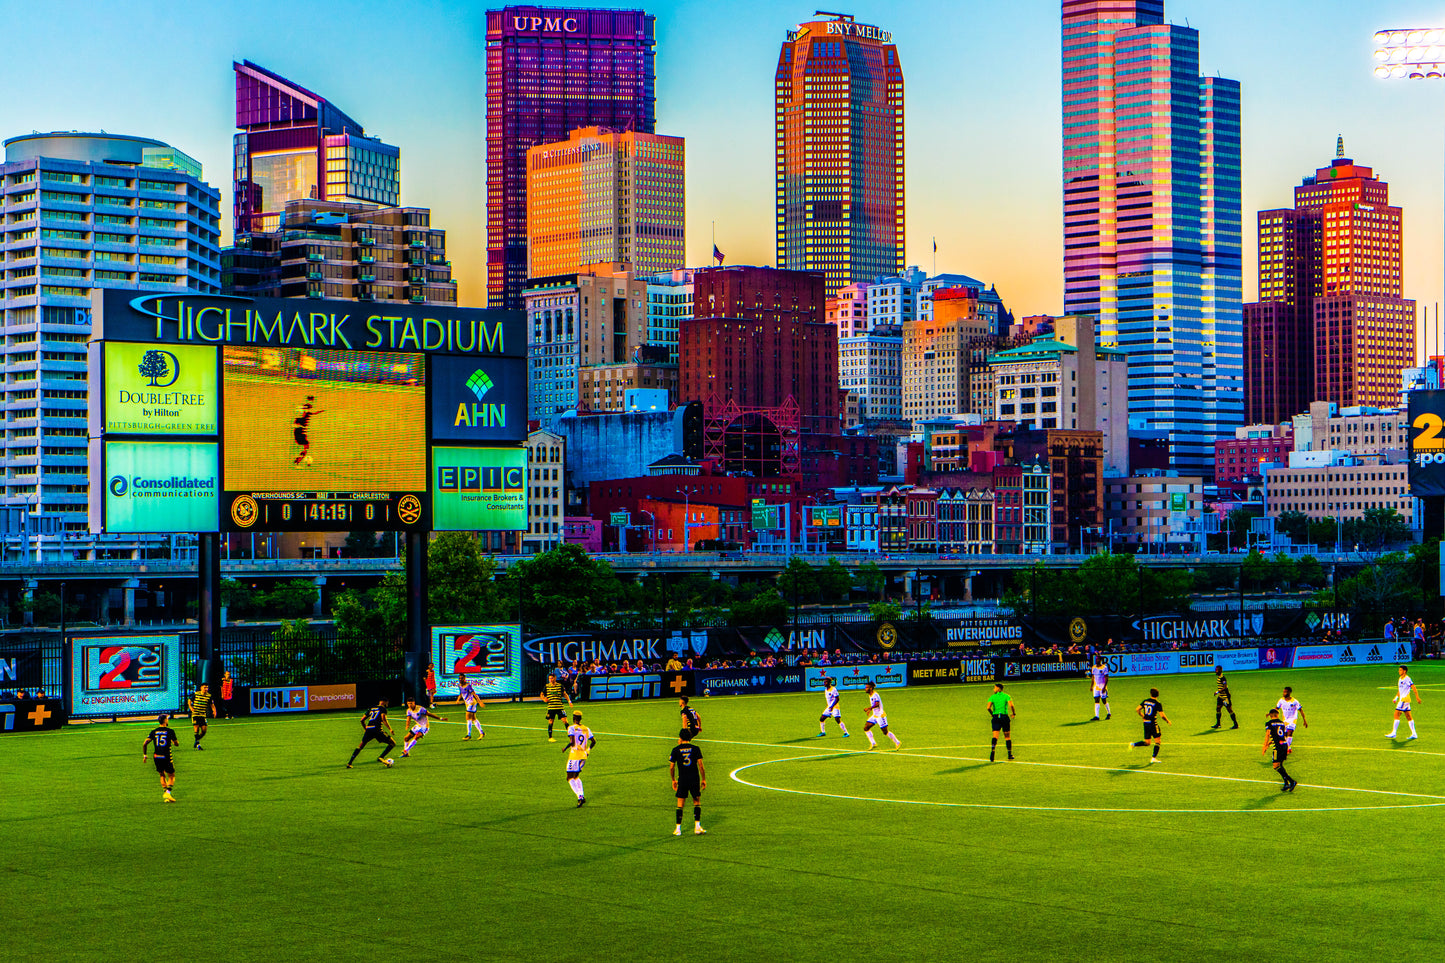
(301, 425)
(420, 718)
(1223, 702)
(688, 779)
(691, 721)
(374, 725)
(163, 737)
(553, 694)
(1151, 710)
(1406, 687)
(1275, 734)
(1100, 673)
(1001, 708)
(877, 717)
(830, 709)
(579, 746)
(1291, 709)
(201, 707)
(467, 695)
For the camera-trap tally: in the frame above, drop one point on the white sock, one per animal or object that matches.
(1396, 727)
(869, 734)
(576, 785)
(1096, 710)
(1107, 710)
(895, 739)
(1412, 727)
(843, 727)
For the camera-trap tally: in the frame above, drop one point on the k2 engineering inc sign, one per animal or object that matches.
(490, 656)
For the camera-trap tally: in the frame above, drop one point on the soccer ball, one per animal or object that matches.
(389, 762)
(306, 460)
(706, 693)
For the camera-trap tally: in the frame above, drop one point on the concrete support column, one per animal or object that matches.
(131, 584)
(316, 608)
(27, 603)
(968, 588)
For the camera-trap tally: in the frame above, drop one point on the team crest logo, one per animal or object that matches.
(887, 635)
(1078, 630)
(244, 511)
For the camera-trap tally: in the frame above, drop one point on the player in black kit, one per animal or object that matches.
(688, 779)
(690, 719)
(1274, 735)
(1151, 710)
(164, 739)
(375, 726)
(1223, 702)
(301, 425)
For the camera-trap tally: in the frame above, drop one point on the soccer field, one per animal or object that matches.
(816, 850)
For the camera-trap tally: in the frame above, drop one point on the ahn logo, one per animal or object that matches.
(480, 415)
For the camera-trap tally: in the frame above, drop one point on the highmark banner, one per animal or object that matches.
(151, 390)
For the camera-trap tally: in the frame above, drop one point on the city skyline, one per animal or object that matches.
(983, 142)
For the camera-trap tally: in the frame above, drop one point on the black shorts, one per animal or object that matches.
(198, 720)
(691, 788)
(1222, 702)
(691, 732)
(1001, 724)
(1151, 730)
(556, 714)
(165, 766)
(380, 736)
(300, 435)
(1281, 755)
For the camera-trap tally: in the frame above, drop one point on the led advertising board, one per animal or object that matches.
(478, 401)
(130, 675)
(152, 390)
(161, 486)
(320, 440)
(1427, 443)
(479, 489)
(490, 656)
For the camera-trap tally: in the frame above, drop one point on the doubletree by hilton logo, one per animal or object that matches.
(480, 414)
(161, 367)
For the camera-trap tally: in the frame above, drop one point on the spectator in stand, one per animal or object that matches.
(22, 696)
(228, 691)
(672, 664)
(1389, 630)
(1419, 635)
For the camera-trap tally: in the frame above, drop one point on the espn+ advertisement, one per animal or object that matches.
(131, 675)
(1427, 443)
(490, 656)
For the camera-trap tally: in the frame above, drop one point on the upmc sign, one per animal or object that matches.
(1427, 443)
(544, 24)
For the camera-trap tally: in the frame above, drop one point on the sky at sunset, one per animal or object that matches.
(982, 103)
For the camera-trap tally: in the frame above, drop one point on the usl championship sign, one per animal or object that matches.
(1427, 443)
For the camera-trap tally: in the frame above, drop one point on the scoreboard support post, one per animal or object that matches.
(208, 570)
(417, 637)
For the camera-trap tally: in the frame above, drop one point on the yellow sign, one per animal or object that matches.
(160, 390)
(887, 635)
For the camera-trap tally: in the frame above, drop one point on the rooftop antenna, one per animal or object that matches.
(1340, 146)
(835, 16)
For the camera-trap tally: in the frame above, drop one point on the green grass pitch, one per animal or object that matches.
(475, 850)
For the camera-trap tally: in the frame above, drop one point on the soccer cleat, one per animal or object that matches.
(991, 758)
(1215, 726)
(699, 831)
(168, 798)
(1108, 716)
(872, 746)
(1389, 735)
(1010, 758)
(1095, 719)
(677, 830)
(821, 734)
(466, 738)
(1152, 760)
(405, 753)
(550, 739)
(847, 734)
(581, 801)
(1235, 726)
(1412, 737)
(348, 765)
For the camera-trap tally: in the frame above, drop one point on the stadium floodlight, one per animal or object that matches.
(1416, 53)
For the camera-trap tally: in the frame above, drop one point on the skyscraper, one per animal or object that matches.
(293, 144)
(1330, 323)
(549, 72)
(839, 154)
(1152, 216)
(84, 212)
(605, 196)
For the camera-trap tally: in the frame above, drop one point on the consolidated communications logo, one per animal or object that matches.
(119, 486)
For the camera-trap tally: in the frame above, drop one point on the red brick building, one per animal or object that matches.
(759, 294)
(1237, 459)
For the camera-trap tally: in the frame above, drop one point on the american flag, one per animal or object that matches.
(716, 254)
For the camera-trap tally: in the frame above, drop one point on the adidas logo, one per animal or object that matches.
(1374, 654)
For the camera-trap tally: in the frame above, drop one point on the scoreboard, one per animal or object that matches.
(222, 413)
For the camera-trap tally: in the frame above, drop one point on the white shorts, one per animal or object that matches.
(832, 714)
(1102, 694)
(419, 730)
(1402, 707)
(472, 707)
(880, 721)
(575, 765)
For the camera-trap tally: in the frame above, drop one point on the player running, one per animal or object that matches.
(1275, 734)
(553, 694)
(1223, 701)
(163, 737)
(1001, 708)
(691, 721)
(1291, 710)
(300, 428)
(201, 707)
(419, 717)
(467, 695)
(830, 709)
(1151, 710)
(579, 746)
(374, 725)
(877, 717)
(1406, 687)
(688, 779)
(1100, 674)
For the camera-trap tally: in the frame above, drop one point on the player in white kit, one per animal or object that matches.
(1100, 675)
(579, 746)
(877, 717)
(1291, 712)
(419, 720)
(831, 710)
(467, 693)
(1405, 689)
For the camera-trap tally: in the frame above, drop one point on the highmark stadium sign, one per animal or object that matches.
(155, 487)
(280, 322)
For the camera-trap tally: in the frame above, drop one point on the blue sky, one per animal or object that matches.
(982, 101)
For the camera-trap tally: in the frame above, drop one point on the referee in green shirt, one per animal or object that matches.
(1001, 707)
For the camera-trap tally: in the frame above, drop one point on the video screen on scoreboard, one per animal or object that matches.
(319, 420)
